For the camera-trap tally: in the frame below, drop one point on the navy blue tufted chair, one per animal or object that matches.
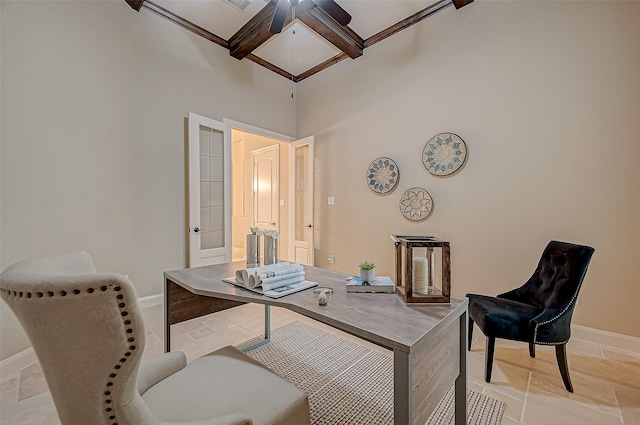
(539, 312)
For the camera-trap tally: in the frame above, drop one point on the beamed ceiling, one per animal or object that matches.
(308, 44)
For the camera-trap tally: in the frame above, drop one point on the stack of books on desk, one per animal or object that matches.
(381, 284)
(274, 280)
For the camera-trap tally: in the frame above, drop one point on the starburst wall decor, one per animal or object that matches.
(416, 204)
(382, 175)
(444, 154)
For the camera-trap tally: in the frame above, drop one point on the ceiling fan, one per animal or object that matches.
(329, 6)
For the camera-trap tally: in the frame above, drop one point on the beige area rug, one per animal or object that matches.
(348, 384)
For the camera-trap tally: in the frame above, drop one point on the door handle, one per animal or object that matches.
(273, 224)
(310, 226)
(197, 229)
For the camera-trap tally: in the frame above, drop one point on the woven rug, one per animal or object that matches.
(348, 384)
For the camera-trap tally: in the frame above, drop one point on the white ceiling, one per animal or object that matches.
(306, 49)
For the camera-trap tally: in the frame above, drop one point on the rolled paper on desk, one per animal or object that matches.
(420, 275)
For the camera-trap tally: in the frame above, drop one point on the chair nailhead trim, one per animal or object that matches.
(129, 330)
(127, 322)
(569, 304)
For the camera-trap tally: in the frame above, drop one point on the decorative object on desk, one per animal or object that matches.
(273, 281)
(421, 275)
(367, 271)
(323, 294)
(253, 249)
(270, 246)
(357, 383)
(379, 284)
(444, 154)
(382, 175)
(405, 283)
(416, 204)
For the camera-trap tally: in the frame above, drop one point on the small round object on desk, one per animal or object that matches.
(323, 294)
(320, 289)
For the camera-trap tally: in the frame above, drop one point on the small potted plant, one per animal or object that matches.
(367, 271)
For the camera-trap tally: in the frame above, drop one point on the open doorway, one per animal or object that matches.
(260, 189)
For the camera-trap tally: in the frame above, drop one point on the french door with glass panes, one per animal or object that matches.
(209, 193)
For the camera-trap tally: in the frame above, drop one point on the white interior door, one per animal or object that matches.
(209, 194)
(302, 223)
(266, 170)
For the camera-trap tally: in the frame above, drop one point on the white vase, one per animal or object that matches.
(367, 275)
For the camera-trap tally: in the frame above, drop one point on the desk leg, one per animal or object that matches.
(461, 380)
(267, 330)
(401, 388)
(167, 316)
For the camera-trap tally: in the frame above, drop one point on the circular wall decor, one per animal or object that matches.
(416, 204)
(382, 175)
(444, 154)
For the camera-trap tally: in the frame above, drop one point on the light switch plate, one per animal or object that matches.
(331, 200)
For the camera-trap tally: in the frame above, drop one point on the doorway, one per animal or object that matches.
(260, 189)
(224, 179)
(294, 209)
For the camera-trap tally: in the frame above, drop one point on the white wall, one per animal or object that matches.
(546, 96)
(94, 97)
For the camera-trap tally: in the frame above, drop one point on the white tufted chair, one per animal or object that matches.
(87, 331)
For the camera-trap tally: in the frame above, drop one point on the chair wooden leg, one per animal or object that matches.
(470, 332)
(491, 345)
(532, 349)
(561, 356)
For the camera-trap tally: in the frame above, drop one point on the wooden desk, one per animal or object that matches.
(428, 341)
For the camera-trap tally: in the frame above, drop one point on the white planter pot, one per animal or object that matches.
(367, 275)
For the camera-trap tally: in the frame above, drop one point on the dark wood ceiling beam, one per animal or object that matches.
(406, 23)
(344, 38)
(189, 26)
(271, 67)
(255, 32)
(135, 4)
(311, 19)
(461, 3)
(324, 65)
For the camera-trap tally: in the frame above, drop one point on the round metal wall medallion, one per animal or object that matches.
(382, 175)
(444, 154)
(416, 204)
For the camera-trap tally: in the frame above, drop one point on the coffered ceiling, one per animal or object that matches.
(311, 39)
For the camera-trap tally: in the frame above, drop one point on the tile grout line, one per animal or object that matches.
(526, 396)
(615, 394)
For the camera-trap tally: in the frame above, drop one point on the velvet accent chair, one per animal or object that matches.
(88, 334)
(539, 312)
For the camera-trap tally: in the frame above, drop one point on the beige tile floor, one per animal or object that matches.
(606, 379)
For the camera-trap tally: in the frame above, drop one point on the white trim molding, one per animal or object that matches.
(151, 300)
(17, 362)
(616, 340)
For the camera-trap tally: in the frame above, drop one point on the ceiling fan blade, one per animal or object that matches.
(279, 16)
(335, 11)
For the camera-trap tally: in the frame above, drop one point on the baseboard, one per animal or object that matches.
(19, 361)
(616, 340)
(151, 300)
